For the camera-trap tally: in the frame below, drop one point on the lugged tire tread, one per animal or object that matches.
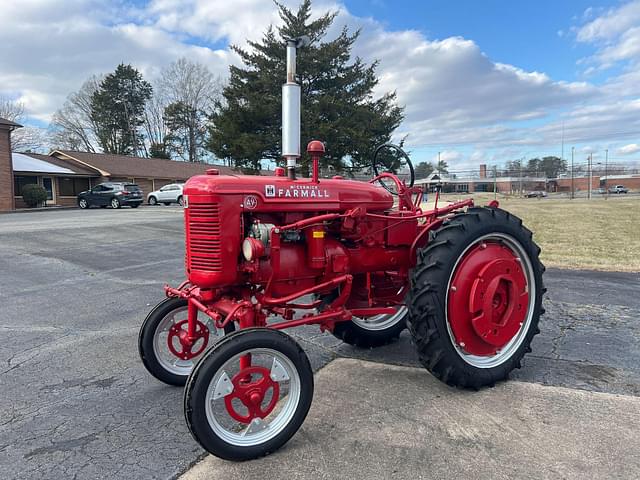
(426, 295)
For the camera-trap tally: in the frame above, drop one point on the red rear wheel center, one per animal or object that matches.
(488, 298)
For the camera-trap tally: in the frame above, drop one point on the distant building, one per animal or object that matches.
(481, 183)
(64, 174)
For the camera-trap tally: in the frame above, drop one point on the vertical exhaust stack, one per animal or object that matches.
(291, 108)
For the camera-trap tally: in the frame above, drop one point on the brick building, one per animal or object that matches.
(64, 174)
(482, 183)
(6, 165)
(581, 184)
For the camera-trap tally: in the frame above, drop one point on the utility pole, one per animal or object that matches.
(521, 162)
(606, 188)
(495, 182)
(562, 143)
(590, 163)
(572, 191)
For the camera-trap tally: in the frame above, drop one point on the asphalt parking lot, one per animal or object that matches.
(77, 402)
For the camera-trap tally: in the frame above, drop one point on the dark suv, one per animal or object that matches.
(114, 194)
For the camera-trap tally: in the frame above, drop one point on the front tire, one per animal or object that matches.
(154, 336)
(238, 410)
(153, 201)
(83, 203)
(476, 298)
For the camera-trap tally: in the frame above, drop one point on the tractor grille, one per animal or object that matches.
(205, 243)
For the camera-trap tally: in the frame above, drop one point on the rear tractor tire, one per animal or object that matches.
(373, 331)
(476, 298)
(162, 326)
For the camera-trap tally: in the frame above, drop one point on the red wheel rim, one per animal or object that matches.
(188, 348)
(488, 298)
(251, 392)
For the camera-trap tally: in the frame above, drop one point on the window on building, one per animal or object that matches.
(19, 181)
(72, 186)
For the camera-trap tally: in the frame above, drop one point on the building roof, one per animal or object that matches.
(27, 163)
(9, 123)
(75, 167)
(109, 165)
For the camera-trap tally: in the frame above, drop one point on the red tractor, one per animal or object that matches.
(361, 260)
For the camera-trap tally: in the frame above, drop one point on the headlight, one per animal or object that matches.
(252, 249)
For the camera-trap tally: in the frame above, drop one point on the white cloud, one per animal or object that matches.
(453, 92)
(613, 23)
(628, 149)
(616, 33)
(46, 52)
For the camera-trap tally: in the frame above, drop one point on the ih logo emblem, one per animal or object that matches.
(250, 202)
(269, 190)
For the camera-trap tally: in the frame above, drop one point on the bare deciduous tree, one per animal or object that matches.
(25, 139)
(72, 126)
(189, 91)
(154, 124)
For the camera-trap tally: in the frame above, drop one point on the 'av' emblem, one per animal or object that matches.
(250, 202)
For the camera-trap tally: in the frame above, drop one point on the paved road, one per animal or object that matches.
(76, 401)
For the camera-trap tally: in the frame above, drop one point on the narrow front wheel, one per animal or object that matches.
(249, 394)
(163, 348)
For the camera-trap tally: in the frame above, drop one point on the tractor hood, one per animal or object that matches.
(278, 193)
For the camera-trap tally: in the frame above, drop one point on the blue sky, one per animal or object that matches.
(482, 81)
(522, 33)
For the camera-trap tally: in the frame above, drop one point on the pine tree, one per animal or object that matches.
(117, 110)
(338, 106)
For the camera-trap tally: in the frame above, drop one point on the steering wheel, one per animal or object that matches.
(403, 154)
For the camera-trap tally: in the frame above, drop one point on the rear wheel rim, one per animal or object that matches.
(165, 357)
(456, 294)
(279, 412)
(382, 321)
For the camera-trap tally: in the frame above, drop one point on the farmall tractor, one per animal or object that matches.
(361, 260)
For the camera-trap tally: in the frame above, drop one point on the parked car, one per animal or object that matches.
(536, 194)
(113, 194)
(618, 189)
(168, 194)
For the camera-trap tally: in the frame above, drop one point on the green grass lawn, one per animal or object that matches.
(595, 234)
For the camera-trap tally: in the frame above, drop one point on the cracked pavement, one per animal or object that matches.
(77, 402)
